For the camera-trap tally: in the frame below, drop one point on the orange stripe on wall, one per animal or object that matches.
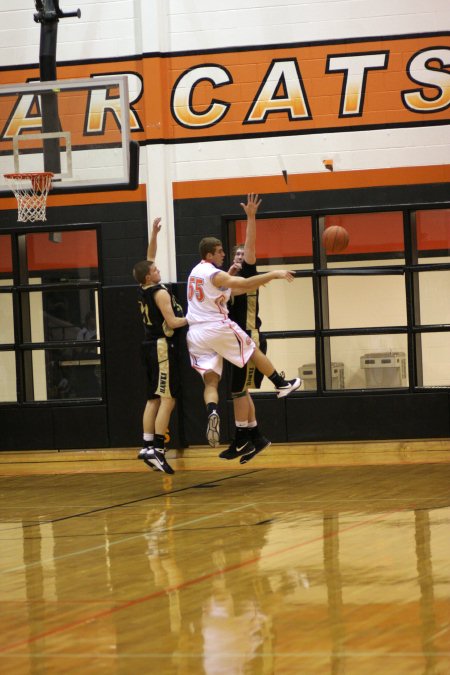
(224, 187)
(113, 197)
(342, 180)
(85, 198)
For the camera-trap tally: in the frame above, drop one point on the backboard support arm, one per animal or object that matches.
(48, 14)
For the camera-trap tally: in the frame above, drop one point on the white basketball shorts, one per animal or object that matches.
(210, 343)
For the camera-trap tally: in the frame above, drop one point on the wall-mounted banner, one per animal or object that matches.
(300, 89)
(295, 89)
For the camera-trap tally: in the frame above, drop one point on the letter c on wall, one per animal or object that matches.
(183, 93)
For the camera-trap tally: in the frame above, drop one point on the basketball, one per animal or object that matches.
(335, 239)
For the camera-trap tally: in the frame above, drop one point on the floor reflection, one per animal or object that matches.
(249, 576)
(237, 632)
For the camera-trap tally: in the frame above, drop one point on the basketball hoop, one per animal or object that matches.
(31, 190)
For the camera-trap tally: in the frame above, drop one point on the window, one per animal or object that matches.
(364, 318)
(433, 235)
(50, 339)
(8, 371)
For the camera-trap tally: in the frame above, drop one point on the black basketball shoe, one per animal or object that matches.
(288, 387)
(234, 450)
(260, 443)
(155, 460)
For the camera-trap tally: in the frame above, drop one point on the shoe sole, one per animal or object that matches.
(285, 392)
(213, 431)
(156, 465)
(247, 458)
(149, 464)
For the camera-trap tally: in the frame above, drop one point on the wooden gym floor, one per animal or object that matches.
(310, 559)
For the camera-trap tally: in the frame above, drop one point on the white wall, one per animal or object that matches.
(202, 24)
(107, 28)
(111, 29)
(206, 24)
(119, 28)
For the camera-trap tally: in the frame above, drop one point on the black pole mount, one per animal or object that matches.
(49, 11)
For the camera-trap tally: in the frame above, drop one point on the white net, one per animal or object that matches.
(31, 190)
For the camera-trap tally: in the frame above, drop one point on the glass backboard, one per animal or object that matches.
(77, 129)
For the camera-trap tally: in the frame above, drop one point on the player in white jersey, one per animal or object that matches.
(206, 301)
(212, 336)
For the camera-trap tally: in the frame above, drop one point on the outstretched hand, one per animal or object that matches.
(156, 226)
(252, 205)
(280, 274)
(285, 274)
(235, 269)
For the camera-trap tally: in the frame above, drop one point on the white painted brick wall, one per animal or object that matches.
(107, 28)
(117, 28)
(110, 28)
(201, 24)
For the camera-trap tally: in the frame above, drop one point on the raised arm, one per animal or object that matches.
(240, 285)
(251, 209)
(162, 299)
(152, 244)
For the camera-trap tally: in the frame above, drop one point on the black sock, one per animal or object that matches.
(211, 407)
(276, 379)
(242, 435)
(254, 432)
(159, 442)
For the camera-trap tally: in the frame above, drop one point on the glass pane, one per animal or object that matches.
(66, 373)
(371, 361)
(434, 297)
(8, 392)
(5, 257)
(436, 359)
(308, 373)
(375, 239)
(433, 235)
(286, 306)
(62, 256)
(6, 318)
(288, 355)
(64, 315)
(281, 240)
(366, 301)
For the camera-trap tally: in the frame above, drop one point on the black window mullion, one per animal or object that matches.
(412, 287)
(321, 307)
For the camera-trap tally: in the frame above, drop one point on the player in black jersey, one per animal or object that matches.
(244, 310)
(161, 316)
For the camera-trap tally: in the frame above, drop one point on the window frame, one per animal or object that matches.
(320, 274)
(21, 290)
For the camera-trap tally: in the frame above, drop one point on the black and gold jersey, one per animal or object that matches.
(155, 325)
(244, 308)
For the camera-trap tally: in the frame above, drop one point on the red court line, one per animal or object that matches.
(183, 585)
